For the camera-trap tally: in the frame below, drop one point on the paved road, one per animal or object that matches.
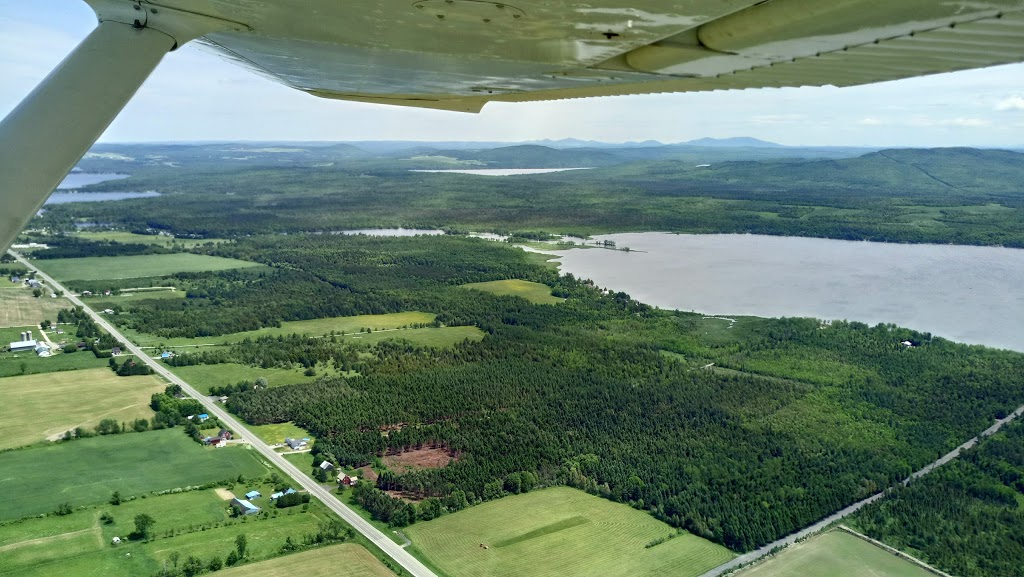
(390, 548)
(789, 540)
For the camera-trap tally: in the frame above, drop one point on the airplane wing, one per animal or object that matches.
(460, 54)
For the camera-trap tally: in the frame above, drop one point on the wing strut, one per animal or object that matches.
(48, 133)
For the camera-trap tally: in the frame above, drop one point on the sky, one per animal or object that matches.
(195, 96)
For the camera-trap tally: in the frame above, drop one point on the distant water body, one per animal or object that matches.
(503, 171)
(963, 293)
(77, 180)
(66, 197)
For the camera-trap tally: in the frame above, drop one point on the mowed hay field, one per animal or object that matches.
(534, 292)
(117, 267)
(18, 308)
(87, 471)
(833, 554)
(34, 407)
(346, 559)
(560, 531)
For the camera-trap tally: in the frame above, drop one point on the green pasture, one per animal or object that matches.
(560, 531)
(278, 432)
(534, 292)
(202, 377)
(119, 267)
(835, 553)
(36, 407)
(87, 471)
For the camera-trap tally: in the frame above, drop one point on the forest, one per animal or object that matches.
(966, 518)
(796, 419)
(959, 195)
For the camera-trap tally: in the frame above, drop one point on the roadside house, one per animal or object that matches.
(225, 434)
(327, 466)
(253, 494)
(295, 444)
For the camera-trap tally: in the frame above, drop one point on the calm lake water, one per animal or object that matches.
(65, 197)
(79, 179)
(964, 293)
(503, 171)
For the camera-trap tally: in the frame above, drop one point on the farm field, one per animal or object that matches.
(118, 267)
(560, 531)
(325, 562)
(315, 327)
(534, 292)
(278, 432)
(835, 553)
(132, 463)
(155, 239)
(36, 407)
(28, 363)
(203, 377)
(191, 523)
(18, 308)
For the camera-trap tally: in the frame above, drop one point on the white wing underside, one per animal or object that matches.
(460, 54)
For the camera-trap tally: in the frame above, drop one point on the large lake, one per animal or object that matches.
(76, 180)
(66, 197)
(964, 293)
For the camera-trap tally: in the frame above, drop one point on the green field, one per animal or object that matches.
(190, 523)
(87, 471)
(346, 559)
(835, 553)
(154, 239)
(118, 267)
(534, 292)
(316, 327)
(36, 407)
(19, 308)
(278, 432)
(560, 531)
(28, 363)
(203, 377)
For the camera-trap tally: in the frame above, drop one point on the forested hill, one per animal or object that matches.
(936, 174)
(956, 195)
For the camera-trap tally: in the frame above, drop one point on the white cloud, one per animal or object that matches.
(1011, 103)
(870, 121)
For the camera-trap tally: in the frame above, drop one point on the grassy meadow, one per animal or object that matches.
(278, 432)
(35, 407)
(153, 239)
(120, 267)
(315, 327)
(18, 308)
(534, 292)
(191, 523)
(202, 377)
(87, 471)
(344, 559)
(835, 553)
(28, 363)
(560, 531)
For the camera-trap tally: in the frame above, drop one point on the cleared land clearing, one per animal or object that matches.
(35, 407)
(419, 459)
(18, 308)
(87, 471)
(155, 239)
(835, 553)
(313, 328)
(203, 377)
(346, 559)
(118, 267)
(278, 432)
(560, 531)
(534, 292)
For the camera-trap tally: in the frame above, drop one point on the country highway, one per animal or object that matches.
(390, 548)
